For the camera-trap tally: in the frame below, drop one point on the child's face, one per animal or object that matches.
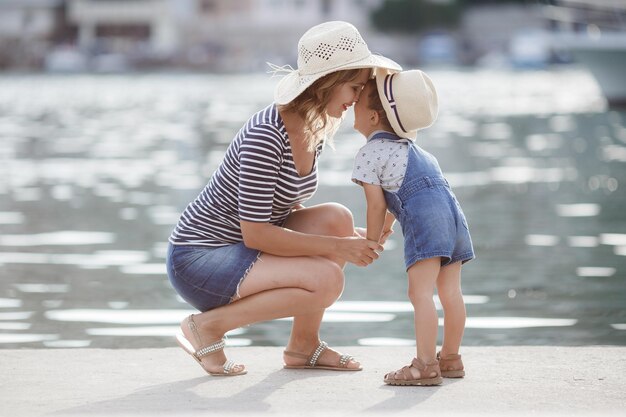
(362, 112)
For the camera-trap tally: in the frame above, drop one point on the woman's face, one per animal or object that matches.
(362, 112)
(346, 94)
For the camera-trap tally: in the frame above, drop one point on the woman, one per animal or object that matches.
(246, 250)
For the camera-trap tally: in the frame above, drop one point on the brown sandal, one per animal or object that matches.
(206, 350)
(451, 366)
(425, 369)
(311, 360)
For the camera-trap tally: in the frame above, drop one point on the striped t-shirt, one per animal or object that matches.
(257, 181)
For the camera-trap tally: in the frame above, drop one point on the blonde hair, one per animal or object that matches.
(311, 104)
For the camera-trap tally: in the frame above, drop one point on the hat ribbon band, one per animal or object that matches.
(279, 70)
(390, 99)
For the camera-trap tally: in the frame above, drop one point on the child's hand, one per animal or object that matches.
(385, 235)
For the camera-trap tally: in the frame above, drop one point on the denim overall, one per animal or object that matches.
(431, 218)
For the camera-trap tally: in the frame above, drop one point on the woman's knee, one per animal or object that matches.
(337, 220)
(329, 283)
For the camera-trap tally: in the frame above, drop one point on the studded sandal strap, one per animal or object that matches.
(228, 366)
(344, 360)
(316, 354)
(210, 349)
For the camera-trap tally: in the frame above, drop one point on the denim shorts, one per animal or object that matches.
(432, 221)
(208, 277)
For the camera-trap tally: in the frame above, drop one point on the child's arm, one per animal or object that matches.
(376, 210)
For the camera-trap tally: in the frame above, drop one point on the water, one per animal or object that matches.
(95, 170)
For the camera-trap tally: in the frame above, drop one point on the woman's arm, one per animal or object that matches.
(376, 210)
(285, 242)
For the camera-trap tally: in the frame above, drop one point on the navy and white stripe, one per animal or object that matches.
(392, 103)
(257, 181)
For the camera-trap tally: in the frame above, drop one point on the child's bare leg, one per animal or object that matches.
(425, 369)
(422, 279)
(449, 290)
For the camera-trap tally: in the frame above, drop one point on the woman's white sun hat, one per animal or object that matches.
(410, 100)
(323, 49)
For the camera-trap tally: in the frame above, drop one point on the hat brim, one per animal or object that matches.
(393, 120)
(293, 84)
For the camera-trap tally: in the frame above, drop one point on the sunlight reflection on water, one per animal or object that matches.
(97, 169)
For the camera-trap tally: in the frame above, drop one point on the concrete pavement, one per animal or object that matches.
(543, 380)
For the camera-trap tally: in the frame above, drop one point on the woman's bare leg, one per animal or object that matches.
(276, 287)
(454, 315)
(329, 220)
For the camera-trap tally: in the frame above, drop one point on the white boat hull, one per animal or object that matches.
(605, 57)
(608, 66)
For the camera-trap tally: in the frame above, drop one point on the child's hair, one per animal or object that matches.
(374, 103)
(311, 106)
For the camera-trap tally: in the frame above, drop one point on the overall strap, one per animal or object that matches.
(388, 135)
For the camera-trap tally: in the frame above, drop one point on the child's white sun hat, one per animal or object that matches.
(410, 100)
(323, 49)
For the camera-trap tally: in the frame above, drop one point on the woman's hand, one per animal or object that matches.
(362, 232)
(357, 250)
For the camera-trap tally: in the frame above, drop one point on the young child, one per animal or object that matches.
(404, 182)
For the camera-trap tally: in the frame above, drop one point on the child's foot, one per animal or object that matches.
(417, 373)
(213, 359)
(451, 365)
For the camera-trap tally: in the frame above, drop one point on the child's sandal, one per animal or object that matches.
(426, 371)
(451, 365)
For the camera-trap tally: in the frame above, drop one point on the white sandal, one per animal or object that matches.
(311, 360)
(206, 350)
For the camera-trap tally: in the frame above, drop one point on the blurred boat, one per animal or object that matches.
(595, 34)
(438, 48)
(605, 57)
(65, 59)
(70, 60)
(530, 49)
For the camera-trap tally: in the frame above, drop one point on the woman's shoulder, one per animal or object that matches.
(264, 131)
(267, 121)
(267, 116)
